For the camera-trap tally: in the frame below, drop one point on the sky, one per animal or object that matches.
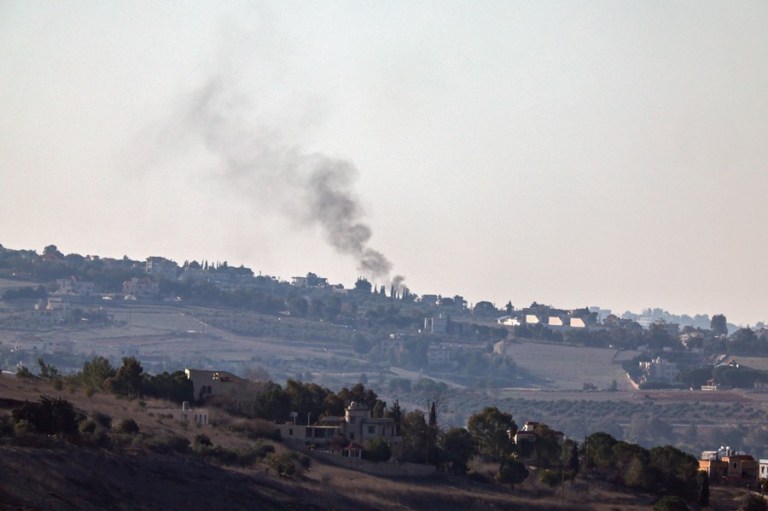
(573, 153)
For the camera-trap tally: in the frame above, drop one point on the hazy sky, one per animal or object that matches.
(571, 153)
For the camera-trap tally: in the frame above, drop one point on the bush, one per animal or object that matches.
(511, 472)
(282, 464)
(550, 477)
(241, 458)
(303, 459)
(670, 503)
(6, 426)
(128, 426)
(377, 449)
(753, 503)
(103, 420)
(49, 417)
(88, 426)
(202, 440)
(168, 444)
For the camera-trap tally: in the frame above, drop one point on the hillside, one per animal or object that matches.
(42, 473)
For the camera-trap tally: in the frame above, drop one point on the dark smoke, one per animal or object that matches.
(311, 188)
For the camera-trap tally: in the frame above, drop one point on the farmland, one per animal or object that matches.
(576, 389)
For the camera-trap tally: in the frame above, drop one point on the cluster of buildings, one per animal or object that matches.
(728, 466)
(552, 318)
(347, 432)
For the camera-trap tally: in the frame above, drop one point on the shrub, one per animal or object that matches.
(670, 503)
(168, 444)
(103, 420)
(202, 440)
(88, 426)
(550, 477)
(303, 459)
(282, 464)
(49, 416)
(377, 449)
(128, 426)
(242, 458)
(511, 472)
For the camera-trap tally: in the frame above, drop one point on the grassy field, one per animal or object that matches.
(562, 367)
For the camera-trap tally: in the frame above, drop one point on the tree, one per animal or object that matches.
(547, 446)
(396, 414)
(362, 286)
(171, 386)
(492, 431)
(649, 431)
(598, 451)
(719, 325)
(52, 250)
(632, 462)
(48, 416)
(297, 306)
(746, 342)
(417, 441)
(677, 471)
(459, 448)
(95, 372)
(573, 458)
(377, 449)
(127, 379)
(511, 472)
(670, 503)
(128, 426)
(704, 492)
(47, 371)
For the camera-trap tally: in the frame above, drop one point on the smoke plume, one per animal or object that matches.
(310, 188)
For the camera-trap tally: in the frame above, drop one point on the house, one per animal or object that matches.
(140, 288)
(215, 383)
(763, 469)
(509, 321)
(433, 300)
(658, 370)
(730, 466)
(528, 433)
(74, 286)
(437, 325)
(311, 280)
(161, 267)
(54, 308)
(356, 425)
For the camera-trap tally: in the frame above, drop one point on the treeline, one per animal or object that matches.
(662, 470)
(129, 380)
(107, 275)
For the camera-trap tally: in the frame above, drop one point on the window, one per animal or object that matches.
(351, 436)
(371, 430)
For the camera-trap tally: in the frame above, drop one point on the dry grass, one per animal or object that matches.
(65, 477)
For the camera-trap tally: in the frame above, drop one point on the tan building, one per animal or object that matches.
(732, 467)
(355, 425)
(217, 383)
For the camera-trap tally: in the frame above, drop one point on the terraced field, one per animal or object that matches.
(557, 366)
